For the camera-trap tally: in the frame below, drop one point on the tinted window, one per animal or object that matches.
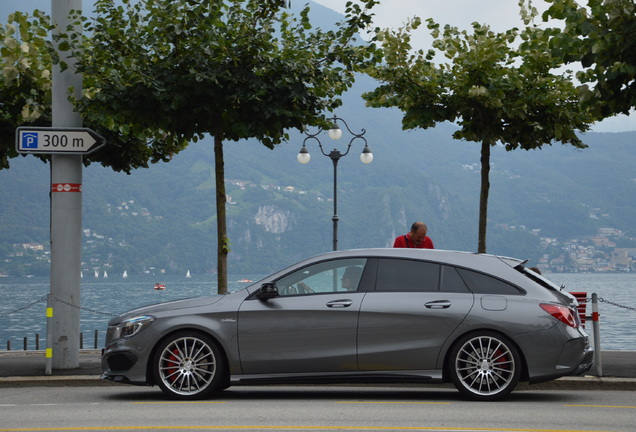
(407, 275)
(452, 281)
(324, 277)
(480, 283)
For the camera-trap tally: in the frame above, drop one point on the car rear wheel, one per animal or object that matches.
(484, 366)
(189, 366)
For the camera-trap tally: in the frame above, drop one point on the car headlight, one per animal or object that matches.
(132, 326)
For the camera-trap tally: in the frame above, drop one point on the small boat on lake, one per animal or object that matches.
(160, 286)
(245, 280)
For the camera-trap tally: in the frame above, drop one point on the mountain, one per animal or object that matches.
(280, 211)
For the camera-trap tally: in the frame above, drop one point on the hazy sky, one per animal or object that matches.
(501, 15)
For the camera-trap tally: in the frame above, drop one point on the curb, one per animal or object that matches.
(56, 381)
(583, 383)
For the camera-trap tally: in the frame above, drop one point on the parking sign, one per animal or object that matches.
(57, 140)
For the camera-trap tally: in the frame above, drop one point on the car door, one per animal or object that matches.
(416, 305)
(310, 327)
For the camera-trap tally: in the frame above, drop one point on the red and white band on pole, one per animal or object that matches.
(66, 187)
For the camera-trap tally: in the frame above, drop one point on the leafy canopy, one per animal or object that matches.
(601, 36)
(25, 93)
(158, 74)
(174, 71)
(494, 91)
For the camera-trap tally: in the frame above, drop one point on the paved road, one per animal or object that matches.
(314, 408)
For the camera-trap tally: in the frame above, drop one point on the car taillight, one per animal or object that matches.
(562, 313)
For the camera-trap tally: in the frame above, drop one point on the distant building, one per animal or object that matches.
(624, 256)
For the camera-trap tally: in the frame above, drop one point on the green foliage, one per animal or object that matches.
(494, 91)
(165, 73)
(158, 74)
(602, 38)
(25, 93)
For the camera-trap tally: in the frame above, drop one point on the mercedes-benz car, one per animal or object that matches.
(482, 322)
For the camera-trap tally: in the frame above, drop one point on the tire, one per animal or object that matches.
(189, 366)
(484, 366)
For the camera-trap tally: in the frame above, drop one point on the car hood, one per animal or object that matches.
(171, 306)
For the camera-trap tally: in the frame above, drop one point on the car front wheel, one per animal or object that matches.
(484, 366)
(189, 366)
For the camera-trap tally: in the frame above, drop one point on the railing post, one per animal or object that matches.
(95, 338)
(597, 336)
(25, 344)
(81, 340)
(9, 345)
(37, 341)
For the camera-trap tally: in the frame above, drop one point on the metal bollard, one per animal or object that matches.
(26, 343)
(37, 341)
(597, 336)
(95, 339)
(9, 345)
(81, 340)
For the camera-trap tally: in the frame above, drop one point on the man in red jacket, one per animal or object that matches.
(417, 238)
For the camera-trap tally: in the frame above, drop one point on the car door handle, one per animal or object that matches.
(339, 303)
(438, 304)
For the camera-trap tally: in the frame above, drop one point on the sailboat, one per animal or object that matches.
(96, 274)
(105, 275)
(125, 275)
(188, 275)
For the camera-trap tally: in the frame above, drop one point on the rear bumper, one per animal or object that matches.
(575, 357)
(586, 362)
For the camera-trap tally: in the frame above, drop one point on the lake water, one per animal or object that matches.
(102, 298)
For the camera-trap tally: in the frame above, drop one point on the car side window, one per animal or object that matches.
(480, 283)
(452, 281)
(324, 277)
(395, 275)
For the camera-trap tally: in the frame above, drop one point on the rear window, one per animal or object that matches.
(480, 283)
(401, 275)
(452, 281)
(553, 288)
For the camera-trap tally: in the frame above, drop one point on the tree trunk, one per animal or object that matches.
(483, 196)
(221, 226)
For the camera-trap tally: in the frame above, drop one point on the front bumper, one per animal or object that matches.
(126, 360)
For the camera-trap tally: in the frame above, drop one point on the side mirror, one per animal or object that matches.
(267, 291)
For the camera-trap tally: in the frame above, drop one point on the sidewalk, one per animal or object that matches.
(27, 369)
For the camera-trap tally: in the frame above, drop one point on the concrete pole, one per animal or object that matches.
(66, 212)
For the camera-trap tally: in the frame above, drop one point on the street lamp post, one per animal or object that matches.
(335, 133)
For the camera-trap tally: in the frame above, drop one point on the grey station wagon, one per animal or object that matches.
(482, 322)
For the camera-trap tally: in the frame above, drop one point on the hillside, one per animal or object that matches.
(169, 222)
(280, 211)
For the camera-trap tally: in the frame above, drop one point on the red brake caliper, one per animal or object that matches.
(172, 358)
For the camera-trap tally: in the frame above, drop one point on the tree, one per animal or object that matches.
(165, 72)
(25, 60)
(602, 38)
(497, 94)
